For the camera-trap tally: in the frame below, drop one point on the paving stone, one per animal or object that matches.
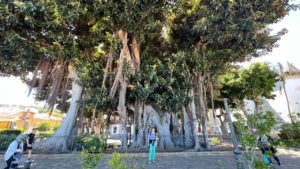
(183, 160)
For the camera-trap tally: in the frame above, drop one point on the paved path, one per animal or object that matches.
(186, 160)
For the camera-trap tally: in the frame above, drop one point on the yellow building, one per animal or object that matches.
(25, 120)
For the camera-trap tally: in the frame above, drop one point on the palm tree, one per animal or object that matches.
(282, 78)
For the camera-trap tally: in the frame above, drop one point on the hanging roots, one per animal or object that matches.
(51, 81)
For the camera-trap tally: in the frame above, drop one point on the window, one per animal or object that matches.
(115, 130)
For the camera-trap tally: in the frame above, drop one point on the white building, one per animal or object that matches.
(279, 104)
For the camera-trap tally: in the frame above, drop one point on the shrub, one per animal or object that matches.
(89, 160)
(9, 132)
(86, 141)
(215, 141)
(5, 140)
(6, 137)
(290, 143)
(92, 150)
(290, 131)
(117, 162)
(250, 128)
(56, 126)
(45, 126)
(43, 135)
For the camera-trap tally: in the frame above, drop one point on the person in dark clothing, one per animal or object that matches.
(267, 146)
(30, 141)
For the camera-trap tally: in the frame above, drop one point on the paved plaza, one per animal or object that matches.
(182, 160)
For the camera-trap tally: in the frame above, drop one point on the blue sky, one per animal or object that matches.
(13, 91)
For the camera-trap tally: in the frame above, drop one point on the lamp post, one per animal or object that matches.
(236, 150)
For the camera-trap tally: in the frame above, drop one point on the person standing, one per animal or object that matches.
(30, 141)
(13, 151)
(152, 143)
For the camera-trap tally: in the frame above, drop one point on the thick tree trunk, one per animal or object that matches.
(123, 114)
(139, 128)
(212, 99)
(175, 130)
(204, 114)
(62, 136)
(165, 134)
(162, 125)
(187, 134)
(197, 146)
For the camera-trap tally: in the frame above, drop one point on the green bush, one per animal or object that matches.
(45, 126)
(117, 162)
(86, 141)
(89, 160)
(6, 137)
(5, 140)
(290, 131)
(290, 143)
(9, 132)
(43, 135)
(56, 126)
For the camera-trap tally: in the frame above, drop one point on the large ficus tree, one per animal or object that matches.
(153, 58)
(51, 36)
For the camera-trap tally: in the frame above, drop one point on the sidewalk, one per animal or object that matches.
(175, 160)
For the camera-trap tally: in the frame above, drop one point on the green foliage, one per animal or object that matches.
(290, 143)
(44, 126)
(259, 164)
(117, 162)
(5, 140)
(86, 141)
(252, 83)
(6, 137)
(89, 160)
(290, 131)
(215, 141)
(250, 129)
(92, 150)
(56, 126)
(259, 80)
(42, 135)
(11, 132)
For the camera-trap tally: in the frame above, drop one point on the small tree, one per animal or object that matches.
(258, 81)
(252, 83)
(250, 128)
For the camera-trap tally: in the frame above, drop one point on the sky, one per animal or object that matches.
(288, 44)
(14, 92)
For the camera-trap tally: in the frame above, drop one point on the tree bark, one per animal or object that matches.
(139, 141)
(175, 130)
(187, 134)
(162, 125)
(212, 99)
(204, 113)
(197, 146)
(123, 114)
(62, 136)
